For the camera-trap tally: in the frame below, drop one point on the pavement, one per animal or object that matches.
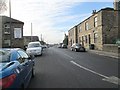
(104, 53)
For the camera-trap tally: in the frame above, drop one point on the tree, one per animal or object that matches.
(3, 6)
(65, 41)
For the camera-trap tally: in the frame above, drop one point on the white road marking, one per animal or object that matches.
(68, 56)
(111, 79)
(89, 69)
(107, 55)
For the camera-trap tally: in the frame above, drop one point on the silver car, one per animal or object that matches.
(77, 47)
(34, 48)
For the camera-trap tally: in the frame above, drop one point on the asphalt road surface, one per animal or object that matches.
(63, 68)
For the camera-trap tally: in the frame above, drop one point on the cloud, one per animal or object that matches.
(44, 16)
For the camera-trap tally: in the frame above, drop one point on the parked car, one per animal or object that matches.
(34, 48)
(64, 46)
(44, 46)
(77, 47)
(59, 45)
(16, 68)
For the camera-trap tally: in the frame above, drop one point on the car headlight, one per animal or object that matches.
(76, 47)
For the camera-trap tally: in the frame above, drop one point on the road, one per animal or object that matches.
(63, 68)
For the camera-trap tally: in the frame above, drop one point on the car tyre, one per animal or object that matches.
(75, 50)
(33, 72)
(41, 54)
(83, 50)
(71, 49)
(22, 87)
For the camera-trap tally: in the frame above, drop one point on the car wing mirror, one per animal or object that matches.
(31, 57)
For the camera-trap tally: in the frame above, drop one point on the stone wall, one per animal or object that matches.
(18, 43)
(110, 48)
(110, 26)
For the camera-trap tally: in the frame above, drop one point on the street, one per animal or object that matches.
(63, 68)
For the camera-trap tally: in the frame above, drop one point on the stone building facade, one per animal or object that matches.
(11, 37)
(72, 36)
(116, 4)
(98, 29)
(28, 39)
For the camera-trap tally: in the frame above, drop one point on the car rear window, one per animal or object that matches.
(33, 45)
(4, 56)
(78, 44)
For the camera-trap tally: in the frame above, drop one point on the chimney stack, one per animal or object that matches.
(94, 12)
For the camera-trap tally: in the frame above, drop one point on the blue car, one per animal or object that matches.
(16, 68)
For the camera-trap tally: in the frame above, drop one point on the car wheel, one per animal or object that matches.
(84, 50)
(41, 54)
(33, 72)
(75, 50)
(22, 87)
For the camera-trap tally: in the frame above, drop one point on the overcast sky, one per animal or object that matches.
(53, 18)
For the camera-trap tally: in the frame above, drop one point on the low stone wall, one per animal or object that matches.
(111, 48)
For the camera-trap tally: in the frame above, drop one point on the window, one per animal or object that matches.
(6, 26)
(95, 22)
(7, 29)
(119, 5)
(19, 58)
(86, 39)
(95, 37)
(82, 38)
(7, 42)
(32, 45)
(79, 39)
(17, 33)
(89, 39)
(80, 29)
(22, 56)
(4, 56)
(86, 26)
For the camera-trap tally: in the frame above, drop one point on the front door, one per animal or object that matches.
(89, 39)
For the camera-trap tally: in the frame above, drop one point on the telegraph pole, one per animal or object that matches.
(10, 24)
(41, 37)
(31, 32)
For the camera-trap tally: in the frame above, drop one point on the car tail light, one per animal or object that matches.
(7, 81)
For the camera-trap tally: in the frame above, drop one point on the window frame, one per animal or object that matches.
(86, 39)
(95, 21)
(86, 26)
(95, 37)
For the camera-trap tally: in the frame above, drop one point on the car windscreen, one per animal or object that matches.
(4, 56)
(78, 45)
(33, 45)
